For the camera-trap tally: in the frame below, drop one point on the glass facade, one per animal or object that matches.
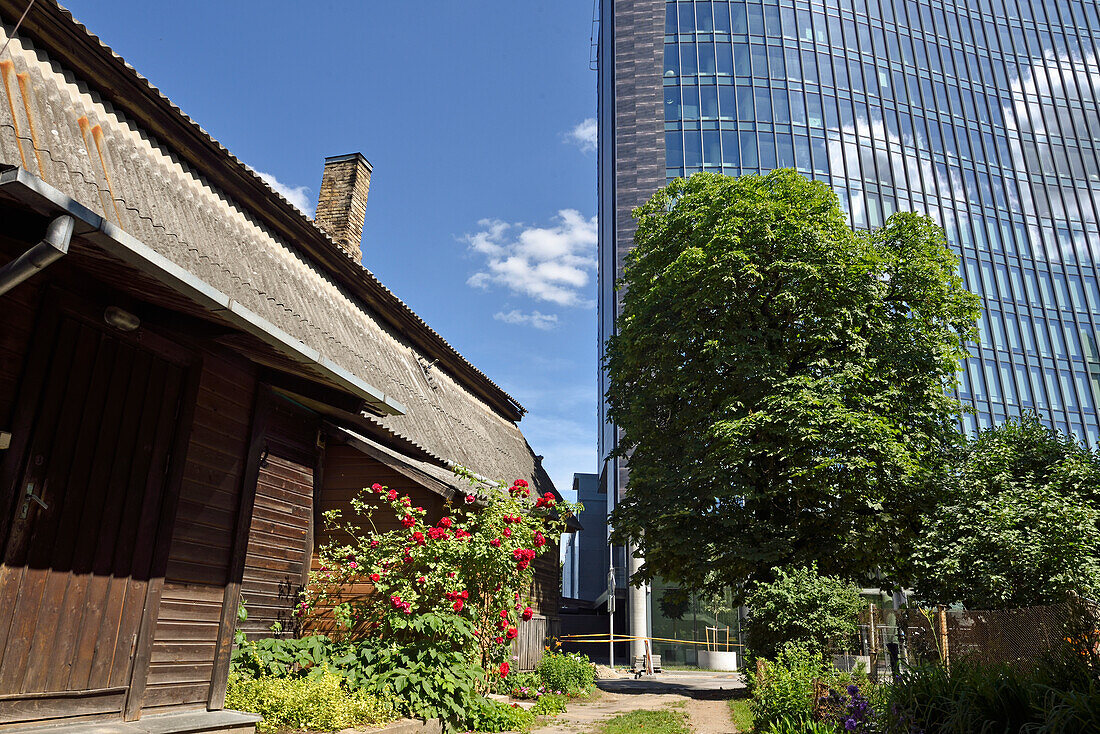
(982, 114)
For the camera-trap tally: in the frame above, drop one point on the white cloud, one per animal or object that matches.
(537, 319)
(547, 263)
(584, 135)
(299, 196)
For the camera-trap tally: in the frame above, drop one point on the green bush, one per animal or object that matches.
(283, 657)
(319, 702)
(785, 693)
(485, 715)
(429, 677)
(549, 704)
(570, 673)
(801, 606)
(785, 690)
(1058, 695)
(797, 725)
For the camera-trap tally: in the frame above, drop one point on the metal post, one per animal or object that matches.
(611, 616)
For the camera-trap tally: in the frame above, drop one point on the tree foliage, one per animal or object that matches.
(802, 607)
(1019, 524)
(782, 382)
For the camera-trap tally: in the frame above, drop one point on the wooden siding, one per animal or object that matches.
(186, 635)
(281, 534)
(546, 589)
(346, 471)
(19, 307)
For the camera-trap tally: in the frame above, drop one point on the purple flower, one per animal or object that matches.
(850, 724)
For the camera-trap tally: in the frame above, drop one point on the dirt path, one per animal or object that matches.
(710, 717)
(707, 717)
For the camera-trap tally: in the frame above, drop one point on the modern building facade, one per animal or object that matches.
(585, 552)
(982, 114)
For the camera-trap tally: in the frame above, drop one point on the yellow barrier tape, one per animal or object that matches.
(627, 638)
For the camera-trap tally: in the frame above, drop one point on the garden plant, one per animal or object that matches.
(446, 600)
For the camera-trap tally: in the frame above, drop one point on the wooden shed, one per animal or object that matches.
(190, 371)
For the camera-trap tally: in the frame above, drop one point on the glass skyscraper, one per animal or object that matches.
(982, 114)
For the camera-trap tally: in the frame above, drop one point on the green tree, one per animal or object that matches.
(803, 607)
(1019, 525)
(782, 382)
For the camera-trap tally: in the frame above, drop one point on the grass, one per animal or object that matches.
(741, 714)
(661, 721)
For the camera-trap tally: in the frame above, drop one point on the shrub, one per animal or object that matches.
(801, 606)
(799, 725)
(785, 689)
(446, 601)
(549, 704)
(319, 702)
(1059, 693)
(485, 715)
(571, 673)
(429, 678)
(287, 657)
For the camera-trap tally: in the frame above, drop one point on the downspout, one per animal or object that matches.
(55, 244)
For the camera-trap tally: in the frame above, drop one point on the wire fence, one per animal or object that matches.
(890, 641)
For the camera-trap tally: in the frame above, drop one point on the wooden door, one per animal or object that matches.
(280, 539)
(79, 552)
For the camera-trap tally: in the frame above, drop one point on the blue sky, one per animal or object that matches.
(473, 114)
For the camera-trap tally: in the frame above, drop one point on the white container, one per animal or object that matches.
(717, 660)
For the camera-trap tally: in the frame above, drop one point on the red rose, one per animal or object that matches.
(499, 640)
(418, 537)
(445, 522)
(465, 594)
(520, 483)
(408, 521)
(470, 499)
(375, 578)
(420, 579)
(418, 509)
(540, 540)
(377, 487)
(511, 633)
(391, 495)
(504, 614)
(504, 669)
(495, 542)
(527, 614)
(507, 532)
(522, 565)
(458, 605)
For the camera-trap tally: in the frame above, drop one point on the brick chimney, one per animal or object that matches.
(342, 204)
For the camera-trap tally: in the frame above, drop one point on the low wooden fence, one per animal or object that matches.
(534, 636)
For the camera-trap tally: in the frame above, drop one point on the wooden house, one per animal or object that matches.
(190, 372)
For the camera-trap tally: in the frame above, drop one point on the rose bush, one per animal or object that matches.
(457, 585)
